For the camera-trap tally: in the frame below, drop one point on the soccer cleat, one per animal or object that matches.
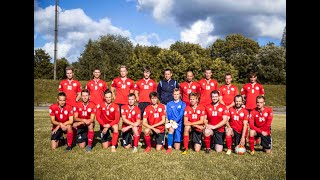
(228, 152)
(88, 148)
(252, 153)
(69, 148)
(148, 149)
(207, 150)
(185, 152)
(113, 149)
(169, 150)
(135, 149)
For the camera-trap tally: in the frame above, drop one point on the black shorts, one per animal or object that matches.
(106, 137)
(196, 136)
(218, 137)
(237, 137)
(126, 137)
(82, 134)
(159, 137)
(142, 106)
(266, 141)
(58, 135)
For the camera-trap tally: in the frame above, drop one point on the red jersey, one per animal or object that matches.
(61, 114)
(252, 91)
(71, 88)
(154, 115)
(237, 117)
(194, 115)
(206, 86)
(84, 111)
(228, 93)
(122, 89)
(186, 88)
(132, 114)
(145, 87)
(96, 89)
(108, 114)
(261, 121)
(215, 114)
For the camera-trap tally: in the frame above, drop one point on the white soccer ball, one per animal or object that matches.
(240, 149)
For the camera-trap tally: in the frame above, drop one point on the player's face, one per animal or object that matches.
(154, 100)
(85, 97)
(131, 100)
(107, 98)
(193, 100)
(215, 98)
(96, 73)
(208, 74)
(189, 76)
(69, 74)
(238, 102)
(167, 75)
(260, 103)
(62, 101)
(146, 74)
(228, 80)
(123, 72)
(253, 79)
(176, 95)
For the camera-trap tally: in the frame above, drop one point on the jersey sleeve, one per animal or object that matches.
(251, 123)
(51, 111)
(98, 115)
(60, 88)
(79, 88)
(243, 90)
(261, 90)
(105, 86)
(181, 114)
(113, 83)
(116, 116)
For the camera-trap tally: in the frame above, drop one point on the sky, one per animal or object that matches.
(155, 22)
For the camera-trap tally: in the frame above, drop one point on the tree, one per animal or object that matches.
(283, 40)
(62, 63)
(43, 68)
(186, 48)
(271, 66)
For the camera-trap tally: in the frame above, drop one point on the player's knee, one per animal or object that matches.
(207, 132)
(115, 128)
(252, 133)
(147, 131)
(171, 130)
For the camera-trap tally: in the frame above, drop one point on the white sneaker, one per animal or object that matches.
(228, 152)
(135, 149)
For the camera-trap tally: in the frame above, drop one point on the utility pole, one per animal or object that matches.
(55, 41)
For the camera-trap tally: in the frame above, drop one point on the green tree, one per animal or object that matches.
(186, 48)
(62, 63)
(43, 68)
(271, 64)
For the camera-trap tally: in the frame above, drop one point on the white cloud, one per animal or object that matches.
(75, 28)
(166, 43)
(199, 33)
(228, 16)
(152, 39)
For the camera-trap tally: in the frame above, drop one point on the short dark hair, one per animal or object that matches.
(69, 68)
(252, 74)
(260, 97)
(153, 94)
(238, 96)
(107, 91)
(132, 94)
(214, 92)
(62, 94)
(167, 69)
(85, 90)
(147, 68)
(194, 94)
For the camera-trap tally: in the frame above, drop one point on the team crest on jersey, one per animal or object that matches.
(119, 82)
(211, 84)
(89, 109)
(65, 112)
(150, 84)
(185, 87)
(133, 112)
(220, 109)
(248, 88)
(151, 112)
(231, 112)
(112, 109)
(210, 109)
(128, 83)
(265, 114)
(160, 109)
(179, 106)
(241, 114)
(80, 109)
(257, 88)
(257, 115)
(103, 108)
(100, 84)
(91, 84)
(65, 83)
(142, 84)
(50, 111)
(224, 89)
(198, 111)
(232, 89)
(203, 84)
(193, 87)
(190, 112)
(74, 84)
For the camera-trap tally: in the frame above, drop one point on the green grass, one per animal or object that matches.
(45, 92)
(102, 164)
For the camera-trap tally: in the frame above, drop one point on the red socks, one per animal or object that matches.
(251, 142)
(186, 142)
(90, 137)
(114, 138)
(69, 138)
(229, 141)
(207, 140)
(147, 140)
(136, 140)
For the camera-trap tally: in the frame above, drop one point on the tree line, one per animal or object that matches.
(235, 54)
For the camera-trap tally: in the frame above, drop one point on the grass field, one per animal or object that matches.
(102, 164)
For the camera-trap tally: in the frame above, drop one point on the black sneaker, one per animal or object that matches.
(207, 151)
(69, 148)
(88, 148)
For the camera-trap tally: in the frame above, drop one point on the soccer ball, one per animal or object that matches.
(240, 149)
